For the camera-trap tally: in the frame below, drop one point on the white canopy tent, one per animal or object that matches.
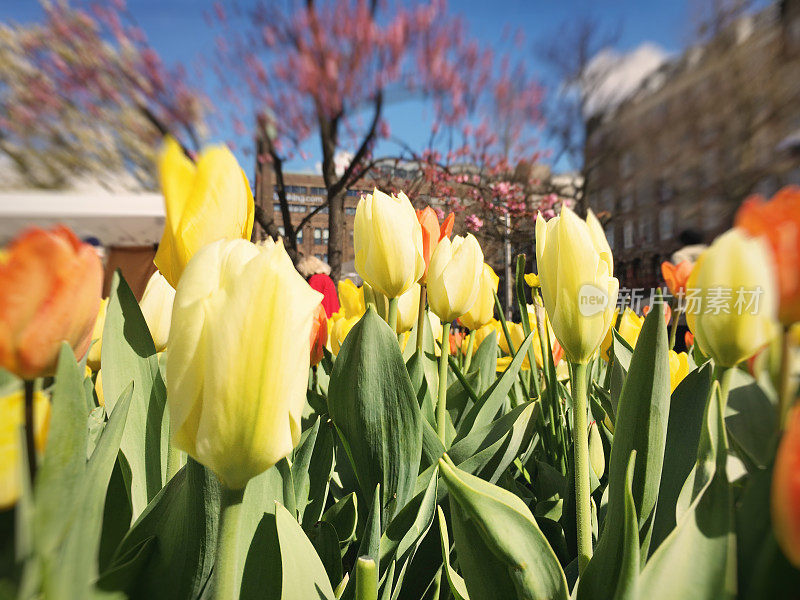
(114, 218)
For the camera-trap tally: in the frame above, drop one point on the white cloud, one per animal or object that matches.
(341, 160)
(611, 76)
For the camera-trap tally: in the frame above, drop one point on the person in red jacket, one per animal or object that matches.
(317, 274)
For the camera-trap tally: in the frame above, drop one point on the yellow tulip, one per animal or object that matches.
(156, 305)
(340, 327)
(515, 332)
(679, 367)
(480, 335)
(731, 298)
(454, 277)
(205, 202)
(238, 360)
(351, 298)
(576, 275)
(532, 279)
(93, 357)
(387, 238)
(482, 310)
(12, 444)
(630, 326)
(98, 388)
(408, 309)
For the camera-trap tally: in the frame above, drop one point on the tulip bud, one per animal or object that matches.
(731, 299)
(597, 458)
(785, 496)
(454, 277)
(676, 276)
(351, 298)
(408, 309)
(482, 310)
(156, 305)
(205, 202)
(688, 339)
(93, 358)
(340, 327)
(679, 367)
(630, 326)
(319, 335)
(778, 221)
(239, 351)
(11, 444)
(432, 233)
(578, 287)
(387, 238)
(50, 286)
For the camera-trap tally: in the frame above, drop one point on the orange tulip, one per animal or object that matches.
(432, 233)
(676, 276)
(785, 496)
(558, 353)
(688, 339)
(667, 312)
(319, 335)
(456, 340)
(779, 222)
(50, 286)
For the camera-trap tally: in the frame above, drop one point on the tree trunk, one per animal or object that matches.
(336, 231)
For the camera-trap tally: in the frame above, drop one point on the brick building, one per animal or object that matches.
(702, 132)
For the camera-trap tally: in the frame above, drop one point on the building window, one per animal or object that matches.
(299, 236)
(627, 202)
(276, 207)
(713, 213)
(322, 257)
(297, 208)
(646, 229)
(665, 223)
(318, 191)
(317, 236)
(626, 165)
(610, 235)
(349, 210)
(627, 234)
(607, 200)
(325, 234)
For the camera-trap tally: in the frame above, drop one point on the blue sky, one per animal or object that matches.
(178, 31)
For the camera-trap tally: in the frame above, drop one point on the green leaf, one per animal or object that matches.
(489, 450)
(326, 542)
(319, 475)
(60, 476)
(485, 362)
(375, 411)
(183, 519)
(262, 577)
(488, 405)
(405, 532)
(500, 548)
(641, 425)
(344, 517)
(686, 411)
(457, 584)
(68, 573)
(128, 354)
(303, 574)
(621, 362)
(751, 418)
(697, 560)
(627, 583)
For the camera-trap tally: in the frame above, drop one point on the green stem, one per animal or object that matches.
(225, 566)
(30, 428)
(392, 316)
(580, 432)
(673, 330)
(423, 293)
(441, 405)
(470, 348)
(174, 461)
(785, 379)
(366, 579)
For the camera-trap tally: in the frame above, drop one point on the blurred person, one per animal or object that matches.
(317, 273)
(692, 248)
